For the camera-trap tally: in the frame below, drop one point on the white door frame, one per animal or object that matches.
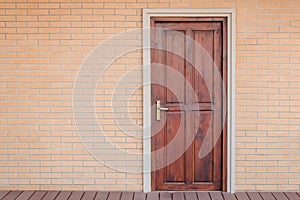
(230, 15)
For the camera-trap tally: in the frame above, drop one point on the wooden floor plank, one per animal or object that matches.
(63, 195)
(292, 195)
(3, 193)
(203, 196)
(89, 195)
(127, 196)
(25, 195)
(216, 195)
(153, 196)
(76, 195)
(228, 196)
(267, 195)
(178, 196)
(38, 195)
(190, 196)
(165, 196)
(114, 196)
(101, 195)
(139, 196)
(254, 195)
(51, 195)
(242, 196)
(12, 195)
(280, 196)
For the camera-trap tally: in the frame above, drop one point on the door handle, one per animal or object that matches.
(158, 109)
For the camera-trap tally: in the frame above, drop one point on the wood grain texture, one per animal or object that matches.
(165, 196)
(63, 195)
(88, 195)
(195, 102)
(153, 196)
(242, 196)
(139, 196)
(267, 195)
(76, 195)
(12, 195)
(3, 193)
(127, 196)
(228, 196)
(292, 195)
(203, 195)
(51, 195)
(101, 195)
(190, 195)
(114, 195)
(25, 195)
(254, 195)
(178, 196)
(38, 195)
(216, 195)
(280, 195)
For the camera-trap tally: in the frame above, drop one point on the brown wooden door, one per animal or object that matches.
(184, 80)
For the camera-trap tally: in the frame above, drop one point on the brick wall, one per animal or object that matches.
(44, 42)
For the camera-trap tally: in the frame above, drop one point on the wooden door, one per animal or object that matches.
(184, 80)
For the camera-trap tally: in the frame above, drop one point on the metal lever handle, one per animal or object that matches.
(158, 109)
(164, 109)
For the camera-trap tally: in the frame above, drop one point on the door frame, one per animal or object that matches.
(230, 15)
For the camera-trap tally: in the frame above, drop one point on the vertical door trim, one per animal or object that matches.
(230, 15)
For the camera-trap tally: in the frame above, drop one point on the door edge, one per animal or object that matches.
(230, 15)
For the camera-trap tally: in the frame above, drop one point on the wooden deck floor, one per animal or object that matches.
(91, 195)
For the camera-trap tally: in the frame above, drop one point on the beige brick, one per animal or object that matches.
(84, 181)
(266, 176)
(40, 181)
(115, 187)
(288, 187)
(62, 181)
(72, 187)
(94, 187)
(267, 187)
(50, 187)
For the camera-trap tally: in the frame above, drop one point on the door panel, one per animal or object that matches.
(175, 171)
(175, 40)
(189, 88)
(203, 129)
(205, 39)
